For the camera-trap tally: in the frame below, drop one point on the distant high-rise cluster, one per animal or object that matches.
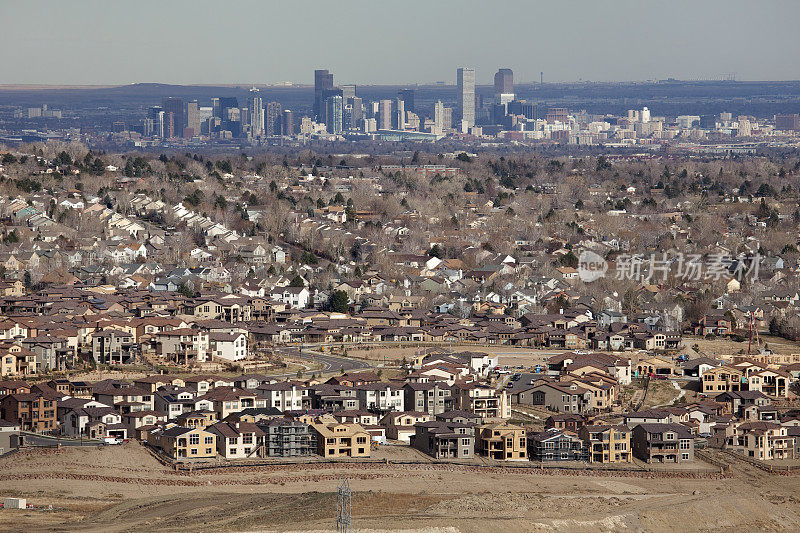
(338, 112)
(224, 119)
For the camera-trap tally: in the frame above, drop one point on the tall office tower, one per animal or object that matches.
(156, 114)
(287, 127)
(504, 82)
(273, 119)
(147, 127)
(465, 108)
(530, 111)
(447, 121)
(347, 117)
(193, 118)
(369, 125)
(645, 115)
(399, 117)
(407, 96)
(333, 113)
(348, 92)
(211, 126)
(438, 118)
(358, 110)
(745, 127)
(175, 110)
(374, 109)
(328, 93)
(215, 107)
(256, 107)
(223, 105)
(322, 80)
(385, 115)
(244, 120)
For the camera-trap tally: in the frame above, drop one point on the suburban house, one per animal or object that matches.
(284, 437)
(181, 443)
(336, 440)
(663, 443)
(445, 440)
(502, 441)
(607, 444)
(556, 445)
(237, 440)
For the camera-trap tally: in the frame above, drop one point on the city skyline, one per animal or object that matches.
(620, 41)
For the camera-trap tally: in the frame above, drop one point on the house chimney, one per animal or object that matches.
(237, 425)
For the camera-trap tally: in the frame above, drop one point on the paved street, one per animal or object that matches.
(331, 363)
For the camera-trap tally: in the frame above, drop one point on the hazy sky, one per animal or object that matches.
(382, 41)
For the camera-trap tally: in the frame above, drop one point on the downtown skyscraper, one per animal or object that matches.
(323, 81)
(465, 104)
(256, 113)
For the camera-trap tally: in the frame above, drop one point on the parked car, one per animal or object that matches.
(110, 441)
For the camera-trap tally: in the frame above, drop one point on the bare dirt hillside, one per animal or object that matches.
(122, 488)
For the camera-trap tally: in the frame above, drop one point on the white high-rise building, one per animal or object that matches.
(645, 115)
(438, 118)
(466, 96)
(385, 115)
(399, 121)
(256, 109)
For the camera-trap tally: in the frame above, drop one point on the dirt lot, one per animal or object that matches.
(720, 346)
(124, 489)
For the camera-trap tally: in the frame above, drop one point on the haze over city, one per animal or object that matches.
(90, 42)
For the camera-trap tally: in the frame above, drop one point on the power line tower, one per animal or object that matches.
(343, 524)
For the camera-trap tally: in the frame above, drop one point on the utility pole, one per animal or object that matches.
(343, 516)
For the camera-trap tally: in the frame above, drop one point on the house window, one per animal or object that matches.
(208, 450)
(194, 439)
(209, 440)
(194, 451)
(685, 456)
